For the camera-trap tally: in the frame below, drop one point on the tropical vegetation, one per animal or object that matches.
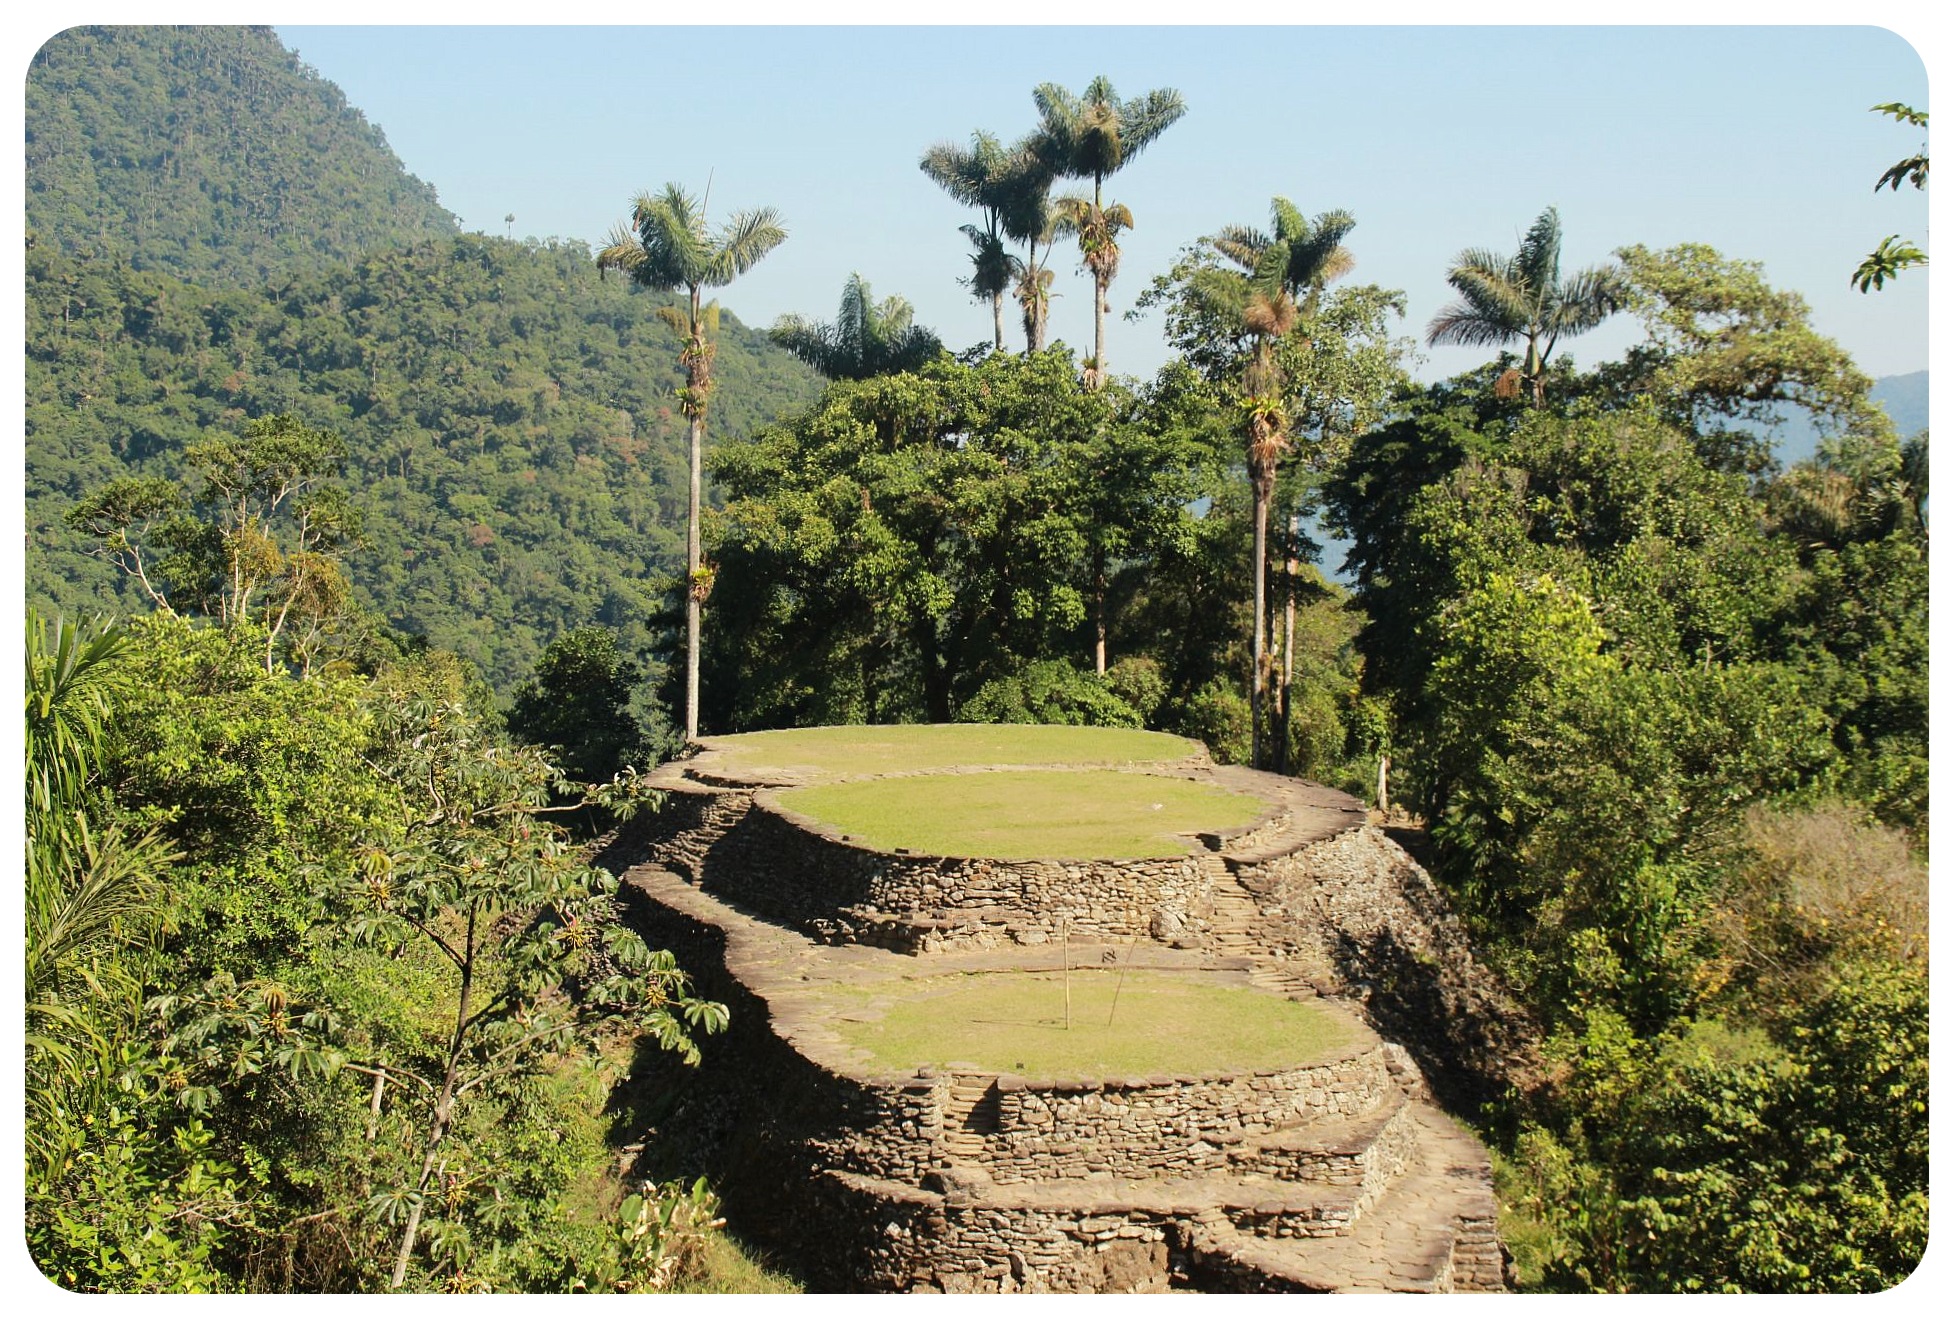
(369, 564)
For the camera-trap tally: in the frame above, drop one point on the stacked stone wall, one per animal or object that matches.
(1166, 1126)
(926, 1241)
(791, 869)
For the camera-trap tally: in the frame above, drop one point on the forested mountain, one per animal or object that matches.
(216, 235)
(208, 152)
(514, 441)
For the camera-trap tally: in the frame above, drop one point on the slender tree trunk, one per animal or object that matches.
(413, 1229)
(697, 440)
(1259, 688)
(1099, 287)
(997, 318)
(373, 1108)
(1099, 610)
(443, 1107)
(1288, 650)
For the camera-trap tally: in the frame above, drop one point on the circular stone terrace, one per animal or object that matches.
(1093, 1053)
(1035, 862)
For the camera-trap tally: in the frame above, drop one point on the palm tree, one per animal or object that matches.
(1033, 220)
(981, 175)
(1098, 230)
(1091, 136)
(1281, 278)
(667, 247)
(992, 272)
(1506, 298)
(867, 338)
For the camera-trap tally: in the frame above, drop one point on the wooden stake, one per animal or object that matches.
(1065, 941)
(1121, 982)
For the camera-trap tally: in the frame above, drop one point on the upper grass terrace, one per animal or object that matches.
(806, 754)
(1082, 814)
(1008, 791)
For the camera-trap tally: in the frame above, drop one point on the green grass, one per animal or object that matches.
(1014, 1021)
(891, 748)
(1012, 814)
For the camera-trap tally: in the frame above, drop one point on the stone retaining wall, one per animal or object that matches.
(924, 1241)
(792, 869)
(1175, 1127)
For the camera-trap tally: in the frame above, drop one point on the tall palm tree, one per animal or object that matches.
(1280, 279)
(981, 175)
(993, 271)
(867, 339)
(1034, 220)
(1091, 136)
(1098, 229)
(666, 246)
(1508, 298)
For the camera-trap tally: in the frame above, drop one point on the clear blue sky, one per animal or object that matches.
(1754, 140)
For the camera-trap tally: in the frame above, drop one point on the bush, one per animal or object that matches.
(1048, 692)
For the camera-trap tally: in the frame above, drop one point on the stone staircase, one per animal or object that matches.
(970, 1113)
(1233, 934)
(1393, 1198)
(1432, 1229)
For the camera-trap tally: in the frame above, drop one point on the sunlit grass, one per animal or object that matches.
(890, 748)
(1015, 1021)
(1013, 814)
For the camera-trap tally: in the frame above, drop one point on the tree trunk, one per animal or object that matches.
(1288, 650)
(1259, 684)
(373, 1108)
(697, 440)
(443, 1107)
(1098, 377)
(997, 318)
(1099, 610)
(413, 1229)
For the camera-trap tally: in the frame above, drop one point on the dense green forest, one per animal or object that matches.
(511, 435)
(208, 152)
(321, 993)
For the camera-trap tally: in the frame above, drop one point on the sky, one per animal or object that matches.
(1755, 140)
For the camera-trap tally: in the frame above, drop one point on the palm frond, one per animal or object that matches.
(1310, 254)
(1586, 299)
(1243, 244)
(1906, 114)
(1289, 223)
(621, 250)
(747, 237)
(1913, 168)
(1496, 297)
(1463, 323)
(1147, 119)
(1539, 256)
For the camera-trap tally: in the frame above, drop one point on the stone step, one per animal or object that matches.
(1363, 1150)
(970, 1113)
(1432, 1230)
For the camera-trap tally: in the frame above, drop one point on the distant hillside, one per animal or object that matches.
(515, 441)
(1905, 399)
(208, 152)
(216, 235)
